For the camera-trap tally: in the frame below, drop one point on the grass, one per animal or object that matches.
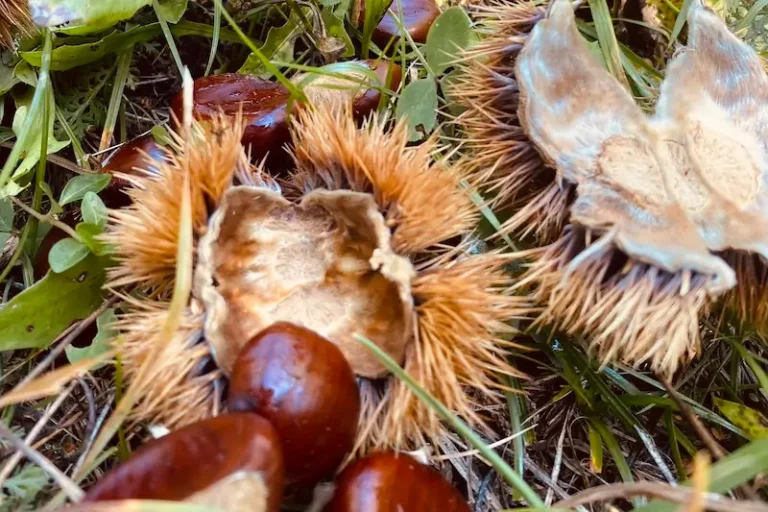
(623, 432)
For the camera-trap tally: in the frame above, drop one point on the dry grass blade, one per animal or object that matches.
(52, 382)
(679, 495)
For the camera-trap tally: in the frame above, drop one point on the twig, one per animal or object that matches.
(58, 349)
(47, 218)
(92, 437)
(33, 433)
(67, 485)
(679, 495)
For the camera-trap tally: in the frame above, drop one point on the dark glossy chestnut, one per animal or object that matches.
(303, 384)
(417, 18)
(264, 105)
(140, 153)
(193, 458)
(389, 482)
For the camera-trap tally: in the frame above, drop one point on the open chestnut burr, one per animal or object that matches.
(304, 386)
(639, 222)
(391, 482)
(233, 462)
(363, 235)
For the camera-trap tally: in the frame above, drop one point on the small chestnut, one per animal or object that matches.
(194, 458)
(416, 16)
(303, 384)
(390, 482)
(140, 153)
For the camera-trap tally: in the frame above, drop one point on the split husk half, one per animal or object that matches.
(366, 235)
(631, 214)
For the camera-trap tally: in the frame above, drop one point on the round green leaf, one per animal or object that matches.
(450, 33)
(418, 104)
(94, 210)
(66, 254)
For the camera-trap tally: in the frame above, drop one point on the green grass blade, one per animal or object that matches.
(679, 22)
(295, 91)
(216, 35)
(35, 108)
(516, 406)
(609, 45)
(116, 99)
(510, 475)
(169, 38)
(736, 469)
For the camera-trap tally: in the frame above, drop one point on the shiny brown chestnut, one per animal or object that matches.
(417, 18)
(195, 458)
(264, 106)
(303, 384)
(391, 482)
(140, 153)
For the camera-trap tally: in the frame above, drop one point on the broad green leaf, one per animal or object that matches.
(88, 234)
(31, 150)
(171, 10)
(735, 469)
(7, 76)
(746, 418)
(447, 84)
(79, 17)
(100, 343)
(78, 186)
(279, 46)
(37, 315)
(93, 209)
(450, 33)
(74, 55)
(6, 215)
(418, 104)
(3, 238)
(65, 254)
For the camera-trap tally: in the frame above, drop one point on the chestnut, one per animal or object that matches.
(390, 482)
(264, 105)
(303, 384)
(140, 153)
(194, 458)
(417, 17)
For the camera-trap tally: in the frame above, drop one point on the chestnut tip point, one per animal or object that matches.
(304, 385)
